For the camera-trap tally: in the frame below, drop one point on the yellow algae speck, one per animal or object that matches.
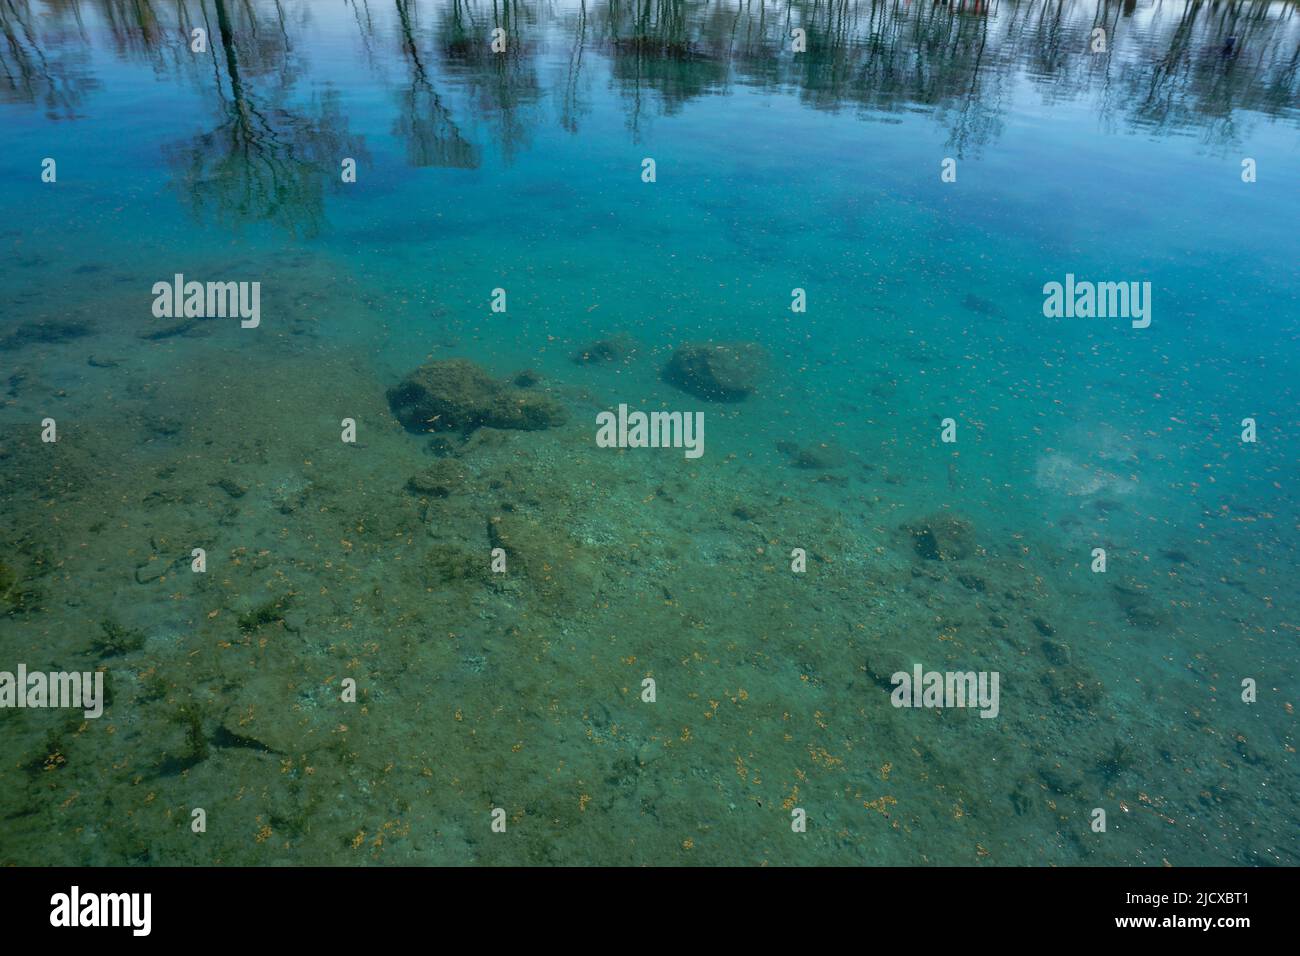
(880, 805)
(820, 755)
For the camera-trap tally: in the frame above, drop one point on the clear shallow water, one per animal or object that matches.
(774, 171)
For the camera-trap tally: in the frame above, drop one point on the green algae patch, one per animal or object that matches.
(18, 596)
(271, 612)
(452, 564)
(116, 640)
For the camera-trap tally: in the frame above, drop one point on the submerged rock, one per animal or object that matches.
(1139, 607)
(981, 306)
(941, 537)
(440, 446)
(613, 349)
(562, 572)
(459, 395)
(170, 330)
(817, 457)
(49, 332)
(231, 487)
(719, 372)
(439, 480)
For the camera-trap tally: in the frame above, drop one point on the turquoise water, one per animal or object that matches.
(522, 690)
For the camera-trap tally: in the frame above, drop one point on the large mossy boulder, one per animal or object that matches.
(717, 371)
(459, 395)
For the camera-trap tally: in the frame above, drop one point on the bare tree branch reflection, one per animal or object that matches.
(1212, 68)
(431, 135)
(264, 162)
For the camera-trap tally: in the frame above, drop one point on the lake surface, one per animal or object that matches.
(463, 630)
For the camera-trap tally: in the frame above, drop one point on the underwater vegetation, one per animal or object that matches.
(366, 587)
